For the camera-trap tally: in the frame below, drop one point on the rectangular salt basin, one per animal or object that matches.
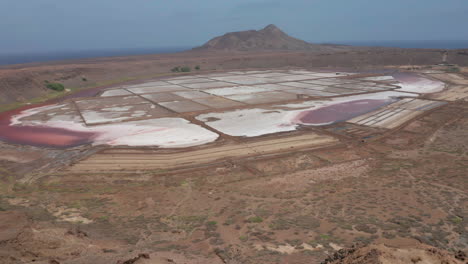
(387, 114)
(310, 92)
(300, 85)
(364, 88)
(357, 86)
(192, 94)
(301, 72)
(208, 85)
(102, 102)
(236, 90)
(217, 102)
(115, 92)
(261, 98)
(194, 80)
(219, 74)
(397, 119)
(317, 87)
(181, 77)
(246, 80)
(123, 113)
(162, 97)
(454, 93)
(291, 78)
(387, 117)
(273, 86)
(416, 104)
(157, 83)
(385, 87)
(321, 82)
(372, 118)
(184, 106)
(64, 112)
(379, 78)
(330, 81)
(268, 75)
(324, 74)
(157, 89)
(337, 90)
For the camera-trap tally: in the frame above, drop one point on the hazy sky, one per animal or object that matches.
(44, 25)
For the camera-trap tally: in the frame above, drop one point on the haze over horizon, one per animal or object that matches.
(51, 25)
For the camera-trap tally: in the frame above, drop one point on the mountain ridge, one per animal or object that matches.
(269, 38)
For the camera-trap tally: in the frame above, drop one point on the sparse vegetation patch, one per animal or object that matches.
(182, 69)
(55, 86)
(255, 219)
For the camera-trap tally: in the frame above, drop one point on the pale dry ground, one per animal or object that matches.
(396, 114)
(453, 93)
(134, 159)
(451, 77)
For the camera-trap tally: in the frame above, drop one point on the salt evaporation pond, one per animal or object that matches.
(68, 130)
(414, 83)
(161, 132)
(281, 118)
(41, 136)
(339, 112)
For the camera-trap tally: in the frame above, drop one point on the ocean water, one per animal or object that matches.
(417, 44)
(16, 58)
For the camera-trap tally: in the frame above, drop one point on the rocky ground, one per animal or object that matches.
(384, 254)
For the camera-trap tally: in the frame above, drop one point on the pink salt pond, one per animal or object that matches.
(160, 132)
(339, 112)
(40, 136)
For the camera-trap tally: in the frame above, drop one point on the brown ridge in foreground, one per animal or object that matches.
(268, 38)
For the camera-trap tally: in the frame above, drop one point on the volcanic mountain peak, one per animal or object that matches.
(268, 38)
(272, 28)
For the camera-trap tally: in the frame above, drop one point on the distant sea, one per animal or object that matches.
(16, 58)
(417, 44)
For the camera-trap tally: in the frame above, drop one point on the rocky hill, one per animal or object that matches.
(269, 38)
